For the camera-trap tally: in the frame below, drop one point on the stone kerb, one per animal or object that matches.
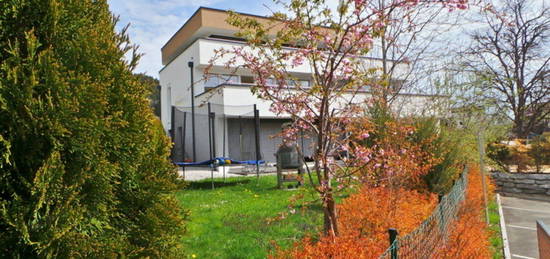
(534, 186)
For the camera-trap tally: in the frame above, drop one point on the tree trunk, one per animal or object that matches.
(331, 221)
(519, 129)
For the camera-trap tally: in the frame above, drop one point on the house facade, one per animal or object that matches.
(186, 56)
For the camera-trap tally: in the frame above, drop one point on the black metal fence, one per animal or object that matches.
(424, 241)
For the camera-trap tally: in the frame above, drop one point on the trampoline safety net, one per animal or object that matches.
(220, 130)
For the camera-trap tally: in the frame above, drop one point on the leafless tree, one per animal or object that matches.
(511, 53)
(411, 39)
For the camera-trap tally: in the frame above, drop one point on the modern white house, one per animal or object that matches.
(185, 57)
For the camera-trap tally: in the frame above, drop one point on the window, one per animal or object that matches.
(247, 79)
(271, 81)
(304, 83)
(301, 83)
(214, 80)
(396, 84)
(229, 79)
(211, 81)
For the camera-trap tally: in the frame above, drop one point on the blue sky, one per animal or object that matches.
(153, 22)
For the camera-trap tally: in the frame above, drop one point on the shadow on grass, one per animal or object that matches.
(207, 185)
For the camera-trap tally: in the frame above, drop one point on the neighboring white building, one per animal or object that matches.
(230, 95)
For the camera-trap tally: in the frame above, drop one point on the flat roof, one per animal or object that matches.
(203, 22)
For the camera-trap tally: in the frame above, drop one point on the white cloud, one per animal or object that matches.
(152, 23)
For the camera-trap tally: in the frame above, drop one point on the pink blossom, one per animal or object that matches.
(297, 60)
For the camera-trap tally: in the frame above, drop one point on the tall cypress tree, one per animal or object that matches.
(84, 169)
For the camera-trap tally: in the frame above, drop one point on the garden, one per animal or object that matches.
(250, 217)
(521, 155)
(86, 168)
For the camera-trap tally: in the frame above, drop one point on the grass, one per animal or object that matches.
(494, 226)
(232, 221)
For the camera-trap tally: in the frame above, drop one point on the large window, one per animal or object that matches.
(247, 80)
(290, 82)
(214, 80)
(300, 82)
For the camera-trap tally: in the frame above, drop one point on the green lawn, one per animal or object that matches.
(494, 225)
(232, 220)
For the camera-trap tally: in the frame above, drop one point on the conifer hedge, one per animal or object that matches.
(84, 169)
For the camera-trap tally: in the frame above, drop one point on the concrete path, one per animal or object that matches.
(519, 217)
(200, 173)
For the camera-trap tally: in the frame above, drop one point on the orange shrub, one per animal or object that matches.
(395, 159)
(364, 221)
(366, 216)
(469, 236)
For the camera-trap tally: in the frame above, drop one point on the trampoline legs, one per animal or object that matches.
(212, 176)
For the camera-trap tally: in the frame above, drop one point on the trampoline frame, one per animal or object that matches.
(212, 143)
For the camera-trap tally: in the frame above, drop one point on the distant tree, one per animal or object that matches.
(84, 168)
(408, 46)
(512, 54)
(153, 84)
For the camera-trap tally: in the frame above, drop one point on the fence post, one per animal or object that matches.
(257, 138)
(441, 211)
(183, 135)
(481, 149)
(173, 132)
(393, 249)
(190, 64)
(210, 142)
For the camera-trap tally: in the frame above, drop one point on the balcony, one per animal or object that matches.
(234, 97)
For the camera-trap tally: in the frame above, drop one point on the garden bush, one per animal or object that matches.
(523, 156)
(448, 146)
(540, 151)
(499, 154)
(519, 156)
(469, 237)
(421, 147)
(365, 218)
(367, 215)
(394, 160)
(84, 169)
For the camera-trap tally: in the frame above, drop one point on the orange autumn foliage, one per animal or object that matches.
(394, 159)
(366, 216)
(469, 237)
(364, 221)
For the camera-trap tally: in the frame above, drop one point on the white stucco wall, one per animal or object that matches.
(209, 46)
(238, 100)
(176, 76)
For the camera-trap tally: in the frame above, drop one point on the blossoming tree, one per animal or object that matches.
(333, 43)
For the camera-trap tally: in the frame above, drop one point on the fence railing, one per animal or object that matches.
(424, 241)
(543, 236)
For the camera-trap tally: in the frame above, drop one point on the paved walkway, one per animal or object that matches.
(520, 216)
(200, 173)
